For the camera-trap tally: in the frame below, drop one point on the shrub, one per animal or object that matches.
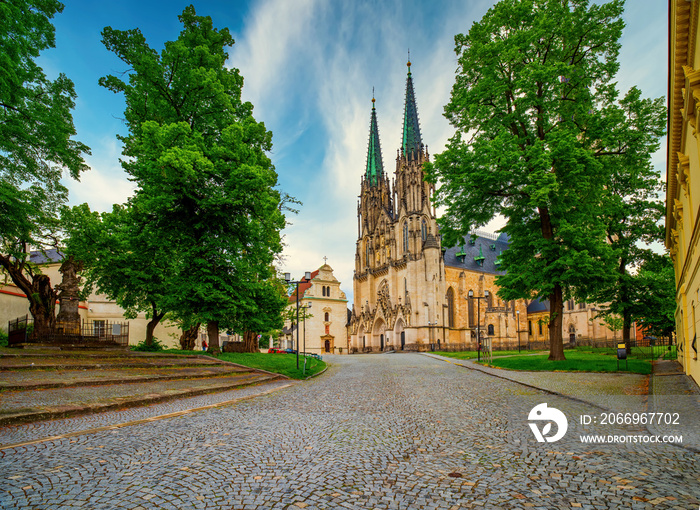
(155, 346)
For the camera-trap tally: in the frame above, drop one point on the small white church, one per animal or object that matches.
(324, 331)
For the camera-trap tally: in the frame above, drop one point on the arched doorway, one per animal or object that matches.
(400, 333)
(572, 334)
(378, 334)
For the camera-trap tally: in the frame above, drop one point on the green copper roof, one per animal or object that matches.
(375, 168)
(411, 140)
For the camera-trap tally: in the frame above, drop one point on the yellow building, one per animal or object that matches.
(683, 176)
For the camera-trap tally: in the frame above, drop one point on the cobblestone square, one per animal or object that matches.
(390, 431)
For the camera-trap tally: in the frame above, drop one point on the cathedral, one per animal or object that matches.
(410, 293)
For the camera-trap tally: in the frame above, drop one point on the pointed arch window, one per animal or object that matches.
(423, 230)
(450, 298)
(405, 237)
(367, 253)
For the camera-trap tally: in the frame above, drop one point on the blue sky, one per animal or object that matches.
(309, 69)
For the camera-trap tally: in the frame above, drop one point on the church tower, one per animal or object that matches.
(399, 284)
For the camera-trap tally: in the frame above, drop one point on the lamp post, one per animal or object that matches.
(307, 307)
(288, 279)
(478, 322)
(517, 313)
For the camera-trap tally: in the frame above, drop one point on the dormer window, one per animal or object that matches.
(480, 258)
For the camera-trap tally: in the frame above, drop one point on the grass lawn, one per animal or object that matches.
(576, 361)
(472, 354)
(285, 364)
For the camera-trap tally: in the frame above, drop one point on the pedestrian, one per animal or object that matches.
(204, 345)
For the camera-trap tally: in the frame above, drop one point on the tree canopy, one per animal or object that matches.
(540, 131)
(206, 194)
(36, 147)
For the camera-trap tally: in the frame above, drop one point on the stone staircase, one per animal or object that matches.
(46, 385)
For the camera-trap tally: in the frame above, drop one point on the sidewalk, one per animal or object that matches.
(668, 390)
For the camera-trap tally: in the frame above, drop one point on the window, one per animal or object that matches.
(405, 237)
(529, 327)
(367, 253)
(326, 317)
(450, 298)
(99, 328)
(491, 330)
(489, 299)
(423, 230)
(582, 306)
(570, 304)
(540, 325)
(323, 291)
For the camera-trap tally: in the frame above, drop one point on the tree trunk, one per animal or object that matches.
(213, 333)
(189, 337)
(556, 317)
(40, 294)
(250, 341)
(151, 326)
(556, 300)
(626, 326)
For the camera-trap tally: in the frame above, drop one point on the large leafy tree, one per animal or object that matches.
(36, 146)
(633, 210)
(199, 160)
(538, 131)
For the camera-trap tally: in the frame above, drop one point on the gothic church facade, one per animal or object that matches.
(409, 292)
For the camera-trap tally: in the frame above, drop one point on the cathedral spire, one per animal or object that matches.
(375, 169)
(411, 141)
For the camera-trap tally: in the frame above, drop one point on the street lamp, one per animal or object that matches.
(478, 322)
(288, 279)
(307, 307)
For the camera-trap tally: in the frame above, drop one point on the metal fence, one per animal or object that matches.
(95, 333)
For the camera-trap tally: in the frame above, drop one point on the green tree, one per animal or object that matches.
(124, 258)
(633, 210)
(655, 301)
(36, 146)
(199, 160)
(539, 132)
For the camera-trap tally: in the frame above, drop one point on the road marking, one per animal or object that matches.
(138, 422)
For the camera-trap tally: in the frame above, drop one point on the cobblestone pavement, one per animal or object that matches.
(376, 431)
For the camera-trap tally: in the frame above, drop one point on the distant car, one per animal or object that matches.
(290, 351)
(275, 350)
(313, 355)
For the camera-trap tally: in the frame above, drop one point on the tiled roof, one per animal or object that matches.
(304, 285)
(538, 306)
(454, 257)
(53, 255)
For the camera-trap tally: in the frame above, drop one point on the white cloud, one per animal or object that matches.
(105, 183)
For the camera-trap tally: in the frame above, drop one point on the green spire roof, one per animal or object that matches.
(411, 140)
(375, 168)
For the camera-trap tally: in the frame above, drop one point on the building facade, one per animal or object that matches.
(682, 176)
(324, 332)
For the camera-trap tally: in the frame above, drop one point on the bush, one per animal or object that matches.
(155, 346)
(3, 339)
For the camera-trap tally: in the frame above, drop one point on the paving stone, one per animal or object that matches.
(375, 431)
